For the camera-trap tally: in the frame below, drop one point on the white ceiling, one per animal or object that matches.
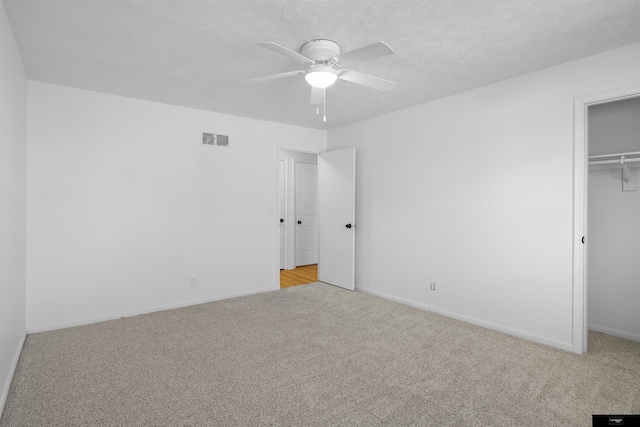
(196, 53)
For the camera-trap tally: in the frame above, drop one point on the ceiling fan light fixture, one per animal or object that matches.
(321, 76)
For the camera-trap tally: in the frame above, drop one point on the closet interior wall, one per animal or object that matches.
(613, 224)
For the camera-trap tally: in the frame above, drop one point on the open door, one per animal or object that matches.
(306, 213)
(337, 214)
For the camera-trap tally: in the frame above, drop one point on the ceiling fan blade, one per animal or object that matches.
(274, 76)
(286, 52)
(317, 96)
(362, 54)
(367, 80)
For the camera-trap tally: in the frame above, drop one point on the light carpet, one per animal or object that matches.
(313, 355)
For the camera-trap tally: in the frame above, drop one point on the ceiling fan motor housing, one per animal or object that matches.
(320, 49)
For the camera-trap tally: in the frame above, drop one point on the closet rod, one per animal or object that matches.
(607, 162)
(601, 156)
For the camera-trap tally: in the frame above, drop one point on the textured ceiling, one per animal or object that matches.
(196, 53)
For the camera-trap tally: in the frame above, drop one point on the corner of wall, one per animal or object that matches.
(13, 155)
(14, 364)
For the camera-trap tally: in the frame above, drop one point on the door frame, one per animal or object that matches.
(279, 191)
(580, 204)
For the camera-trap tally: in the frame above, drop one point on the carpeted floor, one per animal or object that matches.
(313, 355)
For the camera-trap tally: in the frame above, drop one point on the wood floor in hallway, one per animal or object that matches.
(299, 276)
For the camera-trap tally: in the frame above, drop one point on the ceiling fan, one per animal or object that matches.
(325, 64)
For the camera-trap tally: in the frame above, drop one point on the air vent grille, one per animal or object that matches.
(215, 139)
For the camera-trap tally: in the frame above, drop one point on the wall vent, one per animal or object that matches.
(215, 139)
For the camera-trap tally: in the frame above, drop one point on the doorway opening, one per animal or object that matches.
(605, 279)
(335, 201)
(298, 217)
(613, 225)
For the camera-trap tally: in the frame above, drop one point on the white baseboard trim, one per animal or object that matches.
(97, 319)
(496, 327)
(615, 332)
(12, 371)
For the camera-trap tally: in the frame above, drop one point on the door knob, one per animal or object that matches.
(348, 225)
(281, 220)
(299, 222)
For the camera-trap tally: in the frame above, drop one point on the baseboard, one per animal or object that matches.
(12, 371)
(496, 327)
(615, 332)
(97, 319)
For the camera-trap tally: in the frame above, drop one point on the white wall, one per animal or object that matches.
(614, 127)
(474, 192)
(13, 179)
(125, 205)
(614, 225)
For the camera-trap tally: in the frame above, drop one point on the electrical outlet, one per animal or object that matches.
(432, 286)
(193, 281)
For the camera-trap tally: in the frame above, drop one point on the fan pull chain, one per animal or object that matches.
(324, 104)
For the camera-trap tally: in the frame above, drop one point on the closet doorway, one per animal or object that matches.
(607, 216)
(613, 219)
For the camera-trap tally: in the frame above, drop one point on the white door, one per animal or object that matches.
(337, 214)
(306, 213)
(282, 208)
